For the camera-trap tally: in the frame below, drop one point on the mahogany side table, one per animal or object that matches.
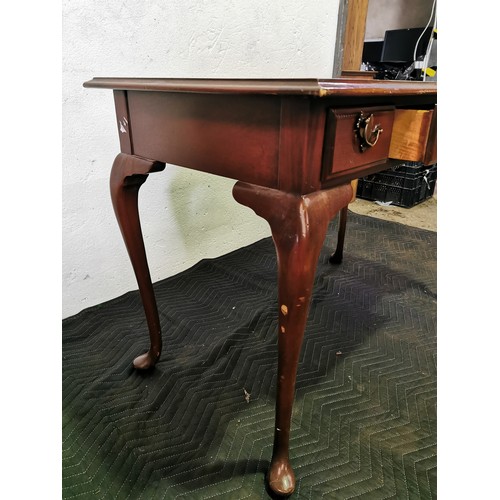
(293, 146)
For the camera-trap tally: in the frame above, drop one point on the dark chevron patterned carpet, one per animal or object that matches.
(364, 421)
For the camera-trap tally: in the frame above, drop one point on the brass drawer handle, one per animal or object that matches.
(368, 138)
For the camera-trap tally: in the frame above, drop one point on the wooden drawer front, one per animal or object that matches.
(342, 146)
(414, 135)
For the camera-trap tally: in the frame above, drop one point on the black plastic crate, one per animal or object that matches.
(406, 185)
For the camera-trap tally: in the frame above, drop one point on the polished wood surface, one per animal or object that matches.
(342, 149)
(298, 225)
(272, 136)
(306, 87)
(228, 135)
(127, 176)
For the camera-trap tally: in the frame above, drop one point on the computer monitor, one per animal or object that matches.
(399, 45)
(372, 51)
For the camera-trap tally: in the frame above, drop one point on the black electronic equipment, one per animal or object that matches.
(399, 45)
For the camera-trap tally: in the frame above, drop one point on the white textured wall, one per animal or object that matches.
(186, 216)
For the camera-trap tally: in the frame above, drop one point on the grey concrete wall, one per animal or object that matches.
(395, 14)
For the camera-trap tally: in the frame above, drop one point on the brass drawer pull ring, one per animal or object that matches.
(368, 136)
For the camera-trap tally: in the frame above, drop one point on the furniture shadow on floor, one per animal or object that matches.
(201, 423)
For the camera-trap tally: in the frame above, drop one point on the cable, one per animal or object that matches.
(428, 51)
(423, 31)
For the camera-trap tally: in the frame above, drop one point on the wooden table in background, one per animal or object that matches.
(293, 146)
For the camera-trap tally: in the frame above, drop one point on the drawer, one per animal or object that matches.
(355, 137)
(414, 135)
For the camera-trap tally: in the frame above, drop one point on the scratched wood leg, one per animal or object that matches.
(298, 225)
(336, 257)
(127, 175)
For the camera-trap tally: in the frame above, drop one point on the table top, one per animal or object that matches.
(310, 87)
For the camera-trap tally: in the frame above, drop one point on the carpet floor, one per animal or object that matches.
(200, 425)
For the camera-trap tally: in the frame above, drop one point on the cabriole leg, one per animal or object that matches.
(298, 224)
(336, 257)
(127, 175)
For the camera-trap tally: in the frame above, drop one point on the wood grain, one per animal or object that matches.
(410, 134)
(354, 34)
